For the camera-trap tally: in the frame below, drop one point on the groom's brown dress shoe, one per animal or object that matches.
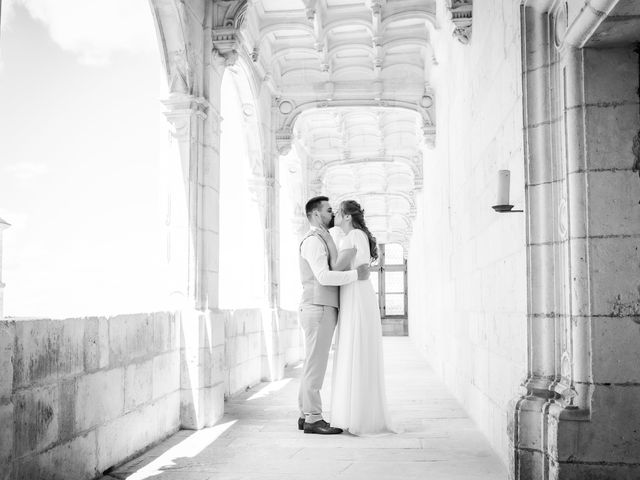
(301, 423)
(321, 427)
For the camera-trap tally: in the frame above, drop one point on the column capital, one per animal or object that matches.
(180, 108)
(228, 18)
(429, 132)
(177, 103)
(284, 137)
(461, 16)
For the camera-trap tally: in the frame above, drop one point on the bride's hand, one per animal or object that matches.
(363, 272)
(344, 259)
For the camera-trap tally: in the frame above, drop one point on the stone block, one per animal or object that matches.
(214, 404)
(611, 435)
(167, 415)
(615, 354)
(217, 323)
(211, 260)
(71, 359)
(614, 276)
(166, 374)
(67, 408)
(100, 398)
(609, 135)
(191, 370)
(46, 350)
(539, 111)
(541, 264)
(103, 339)
(211, 221)
(212, 283)
(35, 419)
(214, 365)
(613, 198)
(130, 337)
(6, 438)
(231, 327)
(163, 332)
(91, 344)
(7, 345)
(125, 436)
(76, 459)
(581, 471)
(611, 76)
(138, 384)
(254, 320)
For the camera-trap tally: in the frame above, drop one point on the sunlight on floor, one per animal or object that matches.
(188, 448)
(269, 389)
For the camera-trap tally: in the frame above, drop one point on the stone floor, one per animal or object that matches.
(258, 437)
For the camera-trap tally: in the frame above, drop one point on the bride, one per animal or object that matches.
(358, 399)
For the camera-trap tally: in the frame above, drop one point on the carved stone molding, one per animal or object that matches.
(429, 132)
(461, 16)
(228, 17)
(180, 109)
(283, 140)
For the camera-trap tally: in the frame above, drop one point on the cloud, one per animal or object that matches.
(93, 29)
(26, 170)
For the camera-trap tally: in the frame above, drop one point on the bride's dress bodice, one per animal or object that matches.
(358, 239)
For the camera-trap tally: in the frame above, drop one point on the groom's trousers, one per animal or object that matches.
(318, 323)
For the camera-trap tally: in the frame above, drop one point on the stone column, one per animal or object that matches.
(3, 226)
(575, 417)
(265, 191)
(198, 39)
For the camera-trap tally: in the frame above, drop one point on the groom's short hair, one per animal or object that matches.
(314, 203)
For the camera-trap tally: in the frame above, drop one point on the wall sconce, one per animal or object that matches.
(502, 205)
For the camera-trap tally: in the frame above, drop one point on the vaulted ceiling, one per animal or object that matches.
(352, 81)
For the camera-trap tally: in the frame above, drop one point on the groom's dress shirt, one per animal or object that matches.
(315, 253)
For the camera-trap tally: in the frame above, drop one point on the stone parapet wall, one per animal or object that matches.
(79, 396)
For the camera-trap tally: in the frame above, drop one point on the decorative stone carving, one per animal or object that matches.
(461, 13)
(228, 17)
(181, 74)
(283, 141)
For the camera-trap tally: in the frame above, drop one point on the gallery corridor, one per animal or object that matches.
(257, 437)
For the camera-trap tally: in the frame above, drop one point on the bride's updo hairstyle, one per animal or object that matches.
(353, 208)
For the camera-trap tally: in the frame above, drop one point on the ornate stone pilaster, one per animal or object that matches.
(461, 16)
(264, 193)
(186, 115)
(3, 226)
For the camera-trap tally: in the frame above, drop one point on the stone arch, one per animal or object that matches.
(288, 120)
(247, 87)
(171, 22)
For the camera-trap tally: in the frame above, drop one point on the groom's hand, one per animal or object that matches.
(363, 272)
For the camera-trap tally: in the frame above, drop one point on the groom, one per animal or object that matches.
(318, 311)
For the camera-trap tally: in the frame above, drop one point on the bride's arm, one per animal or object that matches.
(343, 261)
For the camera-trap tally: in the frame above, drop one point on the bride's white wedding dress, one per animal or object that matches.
(358, 399)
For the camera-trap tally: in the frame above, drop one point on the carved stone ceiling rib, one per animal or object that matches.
(368, 154)
(359, 61)
(371, 46)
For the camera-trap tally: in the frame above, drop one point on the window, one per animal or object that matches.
(389, 278)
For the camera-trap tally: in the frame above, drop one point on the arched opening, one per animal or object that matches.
(242, 281)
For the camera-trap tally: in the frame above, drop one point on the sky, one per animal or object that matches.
(81, 176)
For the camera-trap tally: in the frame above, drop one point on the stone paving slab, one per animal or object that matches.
(258, 438)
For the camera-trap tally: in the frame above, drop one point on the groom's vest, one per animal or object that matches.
(312, 292)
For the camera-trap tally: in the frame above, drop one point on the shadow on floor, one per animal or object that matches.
(258, 438)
